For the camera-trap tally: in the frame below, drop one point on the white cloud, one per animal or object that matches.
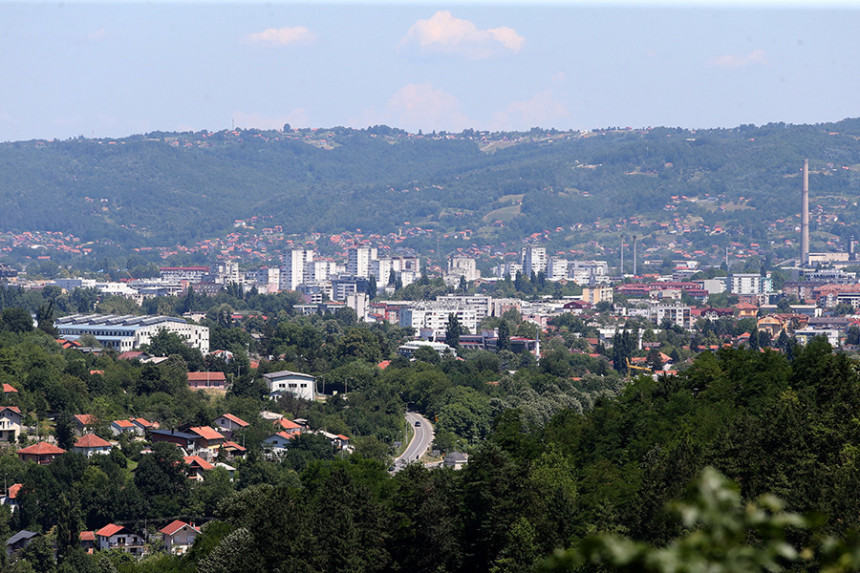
(445, 34)
(421, 106)
(733, 61)
(286, 36)
(100, 34)
(298, 117)
(542, 110)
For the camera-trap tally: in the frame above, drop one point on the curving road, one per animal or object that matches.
(420, 441)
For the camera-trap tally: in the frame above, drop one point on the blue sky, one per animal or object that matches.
(110, 69)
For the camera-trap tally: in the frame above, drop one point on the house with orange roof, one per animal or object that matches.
(230, 423)
(10, 423)
(288, 426)
(207, 438)
(9, 389)
(178, 536)
(87, 540)
(119, 537)
(202, 380)
(119, 427)
(746, 310)
(10, 498)
(232, 450)
(196, 467)
(280, 441)
(41, 453)
(84, 423)
(144, 425)
(90, 444)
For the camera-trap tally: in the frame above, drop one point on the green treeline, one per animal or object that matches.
(341, 179)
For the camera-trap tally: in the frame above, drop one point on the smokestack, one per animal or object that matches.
(804, 217)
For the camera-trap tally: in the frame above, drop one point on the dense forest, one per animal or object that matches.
(170, 188)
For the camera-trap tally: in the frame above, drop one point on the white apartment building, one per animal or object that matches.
(482, 305)
(750, 283)
(382, 270)
(128, 332)
(556, 269)
(508, 268)
(358, 261)
(533, 260)
(293, 267)
(676, 314)
(598, 293)
(589, 272)
(462, 266)
(434, 316)
(227, 273)
(268, 279)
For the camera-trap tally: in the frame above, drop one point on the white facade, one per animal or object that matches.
(434, 316)
(382, 270)
(750, 284)
(533, 260)
(462, 266)
(293, 267)
(127, 332)
(481, 304)
(556, 269)
(297, 383)
(589, 272)
(676, 314)
(358, 262)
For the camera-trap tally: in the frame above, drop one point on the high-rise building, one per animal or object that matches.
(293, 267)
(358, 261)
(533, 260)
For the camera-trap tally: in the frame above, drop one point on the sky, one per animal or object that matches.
(112, 69)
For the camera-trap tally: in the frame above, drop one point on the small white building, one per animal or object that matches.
(298, 383)
(178, 537)
(10, 423)
(113, 536)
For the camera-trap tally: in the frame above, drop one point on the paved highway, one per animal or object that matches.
(420, 441)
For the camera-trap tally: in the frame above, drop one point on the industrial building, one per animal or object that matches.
(127, 332)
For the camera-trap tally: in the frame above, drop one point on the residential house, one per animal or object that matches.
(207, 438)
(87, 540)
(196, 467)
(19, 541)
(288, 426)
(90, 444)
(202, 380)
(178, 537)
(10, 423)
(143, 425)
(84, 423)
(456, 460)
(8, 390)
(10, 498)
(184, 440)
(232, 450)
(41, 453)
(746, 310)
(297, 383)
(119, 427)
(280, 440)
(228, 423)
(113, 536)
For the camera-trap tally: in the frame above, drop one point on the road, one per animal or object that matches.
(420, 441)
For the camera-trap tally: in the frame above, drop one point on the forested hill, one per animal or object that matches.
(167, 188)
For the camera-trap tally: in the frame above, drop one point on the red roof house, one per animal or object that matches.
(41, 453)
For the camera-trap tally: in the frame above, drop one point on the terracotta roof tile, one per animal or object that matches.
(41, 449)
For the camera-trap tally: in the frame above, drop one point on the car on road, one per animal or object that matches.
(417, 422)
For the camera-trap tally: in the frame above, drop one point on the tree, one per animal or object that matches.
(16, 320)
(724, 535)
(503, 342)
(453, 331)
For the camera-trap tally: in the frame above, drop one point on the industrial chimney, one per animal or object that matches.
(804, 217)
